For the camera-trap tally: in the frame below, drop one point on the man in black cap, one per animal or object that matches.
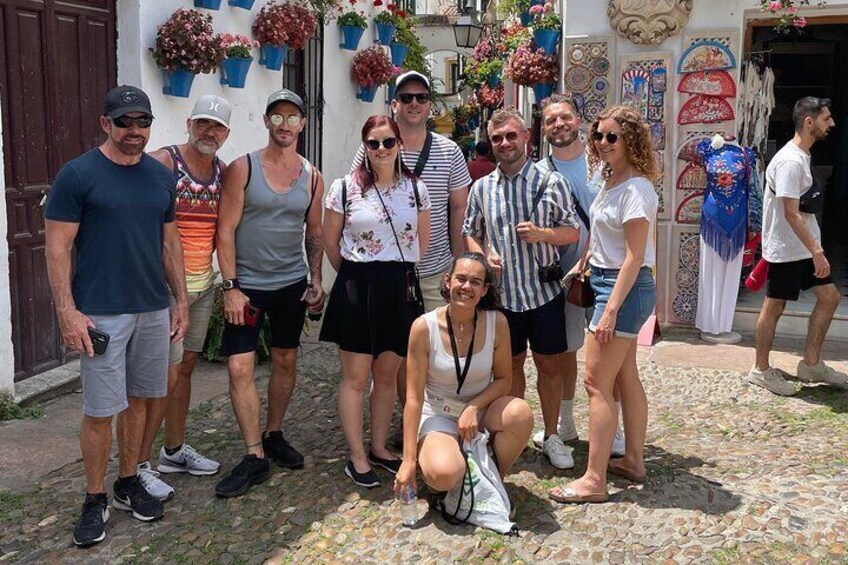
(270, 210)
(114, 207)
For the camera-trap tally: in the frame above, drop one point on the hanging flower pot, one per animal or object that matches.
(526, 17)
(272, 56)
(234, 71)
(351, 36)
(473, 122)
(546, 39)
(542, 91)
(367, 93)
(390, 92)
(179, 83)
(245, 4)
(208, 4)
(494, 80)
(399, 51)
(385, 32)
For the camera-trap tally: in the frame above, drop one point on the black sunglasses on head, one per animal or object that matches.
(611, 137)
(140, 122)
(421, 97)
(374, 144)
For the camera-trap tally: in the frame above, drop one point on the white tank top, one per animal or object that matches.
(441, 380)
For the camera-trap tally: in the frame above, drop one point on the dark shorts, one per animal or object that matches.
(542, 327)
(286, 313)
(785, 281)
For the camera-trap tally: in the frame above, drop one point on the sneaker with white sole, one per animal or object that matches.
(772, 380)
(821, 373)
(151, 482)
(618, 445)
(187, 460)
(566, 430)
(558, 453)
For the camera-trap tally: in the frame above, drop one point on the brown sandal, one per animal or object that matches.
(626, 473)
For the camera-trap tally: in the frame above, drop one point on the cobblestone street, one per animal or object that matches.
(736, 475)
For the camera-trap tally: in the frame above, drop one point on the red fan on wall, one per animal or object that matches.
(703, 109)
(712, 83)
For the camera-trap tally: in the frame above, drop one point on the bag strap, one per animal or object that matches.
(249, 170)
(584, 217)
(344, 196)
(540, 192)
(391, 223)
(422, 158)
(314, 186)
(453, 518)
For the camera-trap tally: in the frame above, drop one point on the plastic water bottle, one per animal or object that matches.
(311, 294)
(408, 508)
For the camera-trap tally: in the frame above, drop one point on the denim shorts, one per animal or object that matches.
(637, 307)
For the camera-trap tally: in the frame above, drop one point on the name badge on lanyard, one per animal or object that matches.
(452, 408)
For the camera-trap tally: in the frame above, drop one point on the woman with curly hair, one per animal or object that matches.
(622, 255)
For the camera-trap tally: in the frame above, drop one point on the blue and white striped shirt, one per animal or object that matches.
(496, 204)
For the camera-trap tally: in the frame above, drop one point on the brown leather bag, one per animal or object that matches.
(580, 292)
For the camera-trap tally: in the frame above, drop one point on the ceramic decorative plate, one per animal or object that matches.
(593, 108)
(714, 83)
(690, 251)
(600, 66)
(685, 306)
(578, 78)
(576, 54)
(596, 50)
(685, 278)
(600, 86)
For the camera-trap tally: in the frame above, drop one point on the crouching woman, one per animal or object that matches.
(459, 373)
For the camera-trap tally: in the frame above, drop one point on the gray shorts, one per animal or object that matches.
(200, 305)
(135, 362)
(576, 321)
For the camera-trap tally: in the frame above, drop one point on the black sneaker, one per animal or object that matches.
(134, 498)
(89, 528)
(277, 448)
(390, 465)
(368, 479)
(251, 471)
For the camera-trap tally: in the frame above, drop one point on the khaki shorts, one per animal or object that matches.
(200, 306)
(430, 291)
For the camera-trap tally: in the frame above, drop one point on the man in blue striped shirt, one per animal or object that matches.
(518, 216)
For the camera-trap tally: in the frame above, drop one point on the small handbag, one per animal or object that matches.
(580, 292)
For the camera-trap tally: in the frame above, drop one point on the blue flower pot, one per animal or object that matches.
(351, 36)
(385, 32)
(246, 4)
(526, 17)
(547, 39)
(234, 71)
(399, 51)
(473, 122)
(208, 4)
(543, 91)
(272, 56)
(494, 81)
(367, 93)
(390, 92)
(179, 83)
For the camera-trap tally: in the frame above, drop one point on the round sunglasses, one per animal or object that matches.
(598, 136)
(374, 144)
(277, 119)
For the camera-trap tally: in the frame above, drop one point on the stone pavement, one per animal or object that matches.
(736, 475)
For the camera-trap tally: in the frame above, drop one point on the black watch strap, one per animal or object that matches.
(230, 284)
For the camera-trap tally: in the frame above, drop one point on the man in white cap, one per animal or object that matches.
(197, 175)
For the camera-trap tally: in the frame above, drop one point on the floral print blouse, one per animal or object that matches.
(367, 234)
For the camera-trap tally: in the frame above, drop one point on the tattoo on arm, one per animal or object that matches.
(314, 252)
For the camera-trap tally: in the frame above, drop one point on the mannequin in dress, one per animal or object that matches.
(724, 229)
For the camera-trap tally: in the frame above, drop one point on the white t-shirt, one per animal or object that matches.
(788, 175)
(632, 199)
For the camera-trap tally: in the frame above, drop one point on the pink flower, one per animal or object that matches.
(792, 9)
(800, 22)
(537, 9)
(774, 6)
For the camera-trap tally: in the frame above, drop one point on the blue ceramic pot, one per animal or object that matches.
(546, 39)
(494, 81)
(272, 56)
(391, 92)
(179, 83)
(351, 36)
(526, 17)
(385, 32)
(246, 4)
(367, 93)
(473, 122)
(208, 4)
(543, 91)
(234, 71)
(399, 51)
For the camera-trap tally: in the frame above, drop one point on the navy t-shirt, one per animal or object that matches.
(121, 211)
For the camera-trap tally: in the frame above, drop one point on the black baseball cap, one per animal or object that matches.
(124, 99)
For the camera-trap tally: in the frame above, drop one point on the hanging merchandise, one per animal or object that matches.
(757, 101)
(703, 109)
(706, 55)
(714, 83)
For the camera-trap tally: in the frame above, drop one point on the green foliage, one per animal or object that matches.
(10, 410)
(354, 19)
(511, 8)
(416, 56)
(215, 333)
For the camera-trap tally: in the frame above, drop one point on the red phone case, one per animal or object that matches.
(251, 315)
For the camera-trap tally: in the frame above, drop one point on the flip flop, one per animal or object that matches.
(626, 473)
(571, 496)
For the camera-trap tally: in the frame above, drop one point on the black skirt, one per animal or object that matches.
(369, 311)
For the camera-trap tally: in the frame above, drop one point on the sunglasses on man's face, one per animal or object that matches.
(374, 144)
(497, 139)
(421, 97)
(124, 122)
(611, 137)
(277, 119)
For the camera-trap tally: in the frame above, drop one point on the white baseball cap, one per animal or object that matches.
(211, 107)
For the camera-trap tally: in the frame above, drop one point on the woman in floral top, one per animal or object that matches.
(376, 227)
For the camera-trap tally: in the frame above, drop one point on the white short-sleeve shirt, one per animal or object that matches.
(632, 199)
(787, 176)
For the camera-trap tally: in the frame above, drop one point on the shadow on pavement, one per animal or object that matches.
(826, 396)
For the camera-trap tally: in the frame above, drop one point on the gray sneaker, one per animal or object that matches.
(772, 380)
(821, 373)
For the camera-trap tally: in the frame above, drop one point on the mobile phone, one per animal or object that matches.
(99, 340)
(251, 315)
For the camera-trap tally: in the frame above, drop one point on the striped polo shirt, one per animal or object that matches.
(444, 172)
(496, 205)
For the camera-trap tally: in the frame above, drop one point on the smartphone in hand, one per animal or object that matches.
(251, 315)
(99, 340)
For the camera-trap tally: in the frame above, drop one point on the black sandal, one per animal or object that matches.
(390, 465)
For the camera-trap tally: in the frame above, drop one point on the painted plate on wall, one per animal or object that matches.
(593, 108)
(714, 83)
(706, 55)
(578, 78)
(577, 54)
(703, 109)
(600, 66)
(600, 86)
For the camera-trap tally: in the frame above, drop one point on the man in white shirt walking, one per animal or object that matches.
(792, 246)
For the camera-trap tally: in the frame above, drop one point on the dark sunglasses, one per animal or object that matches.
(599, 136)
(374, 144)
(421, 97)
(497, 139)
(125, 122)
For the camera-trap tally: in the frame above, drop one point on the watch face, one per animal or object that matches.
(228, 284)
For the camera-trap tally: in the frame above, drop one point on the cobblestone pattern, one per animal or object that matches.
(736, 475)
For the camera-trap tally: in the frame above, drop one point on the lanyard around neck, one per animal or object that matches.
(461, 374)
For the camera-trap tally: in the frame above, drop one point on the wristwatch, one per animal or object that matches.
(230, 284)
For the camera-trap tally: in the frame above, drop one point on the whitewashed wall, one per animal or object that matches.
(7, 354)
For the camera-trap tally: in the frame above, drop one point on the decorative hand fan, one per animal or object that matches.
(703, 109)
(714, 83)
(689, 211)
(692, 177)
(706, 55)
(689, 150)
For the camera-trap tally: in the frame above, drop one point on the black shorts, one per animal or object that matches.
(785, 281)
(543, 327)
(286, 313)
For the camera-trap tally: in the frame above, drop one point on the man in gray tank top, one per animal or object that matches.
(267, 197)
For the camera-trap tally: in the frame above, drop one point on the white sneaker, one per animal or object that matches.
(187, 460)
(772, 380)
(618, 449)
(821, 373)
(558, 453)
(151, 482)
(566, 430)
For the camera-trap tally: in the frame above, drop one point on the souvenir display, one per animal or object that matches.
(689, 210)
(706, 55)
(589, 73)
(688, 151)
(692, 177)
(714, 83)
(756, 102)
(703, 109)
(684, 303)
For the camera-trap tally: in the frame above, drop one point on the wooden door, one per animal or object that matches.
(57, 60)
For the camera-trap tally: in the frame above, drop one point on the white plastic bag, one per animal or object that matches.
(480, 498)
